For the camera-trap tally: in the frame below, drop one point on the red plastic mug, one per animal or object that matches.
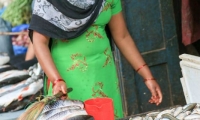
(100, 108)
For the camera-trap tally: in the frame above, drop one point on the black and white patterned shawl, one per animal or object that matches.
(64, 19)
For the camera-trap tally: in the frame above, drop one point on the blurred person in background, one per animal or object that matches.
(5, 40)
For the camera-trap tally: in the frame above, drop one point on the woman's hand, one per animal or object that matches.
(156, 94)
(60, 87)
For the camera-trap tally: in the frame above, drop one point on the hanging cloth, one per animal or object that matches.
(190, 21)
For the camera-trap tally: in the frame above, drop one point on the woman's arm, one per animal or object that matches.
(126, 45)
(30, 52)
(42, 52)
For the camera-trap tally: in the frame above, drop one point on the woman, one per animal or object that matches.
(80, 56)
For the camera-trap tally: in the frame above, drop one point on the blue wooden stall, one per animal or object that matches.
(152, 25)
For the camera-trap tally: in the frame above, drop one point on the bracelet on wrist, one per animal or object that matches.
(56, 81)
(147, 79)
(141, 67)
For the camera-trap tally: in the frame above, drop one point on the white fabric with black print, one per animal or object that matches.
(50, 13)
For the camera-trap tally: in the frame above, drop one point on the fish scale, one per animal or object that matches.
(10, 88)
(62, 103)
(65, 115)
(5, 68)
(12, 77)
(18, 105)
(51, 113)
(33, 88)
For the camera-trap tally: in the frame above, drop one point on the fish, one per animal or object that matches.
(177, 111)
(169, 116)
(35, 70)
(12, 77)
(170, 111)
(164, 119)
(19, 105)
(189, 107)
(196, 111)
(65, 115)
(150, 118)
(136, 118)
(62, 103)
(182, 115)
(50, 113)
(152, 114)
(19, 94)
(81, 117)
(4, 58)
(5, 68)
(12, 87)
(192, 117)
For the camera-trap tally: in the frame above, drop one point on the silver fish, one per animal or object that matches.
(156, 119)
(19, 94)
(50, 113)
(4, 74)
(62, 103)
(65, 115)
(177, 111)
(192, 117)
(164, 119)
(12, 77)
(189, 107)
(152, 114)
(169, 116)
(149, 118)
(81, 117)
(196, 111)
(10, 88)
(35, 70)
(170, 111)
(182, 115)
(5, 68)
(136, 118)
(18, 105)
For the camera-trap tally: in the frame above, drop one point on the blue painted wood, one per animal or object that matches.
(152, 25)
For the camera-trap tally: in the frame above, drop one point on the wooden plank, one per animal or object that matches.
(152, 57)
(172, 52)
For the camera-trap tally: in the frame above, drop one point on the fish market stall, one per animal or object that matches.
(18, 88)
(188, 112)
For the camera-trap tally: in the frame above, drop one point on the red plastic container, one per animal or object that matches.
(100, 108)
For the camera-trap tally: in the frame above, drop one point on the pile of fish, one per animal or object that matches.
(19, 88)
(188, 112)
(65, 110)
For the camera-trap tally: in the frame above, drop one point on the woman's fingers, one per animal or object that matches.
(159, 95)
(55, 91)
(64, 89)
(156, 96)
(153, 100)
